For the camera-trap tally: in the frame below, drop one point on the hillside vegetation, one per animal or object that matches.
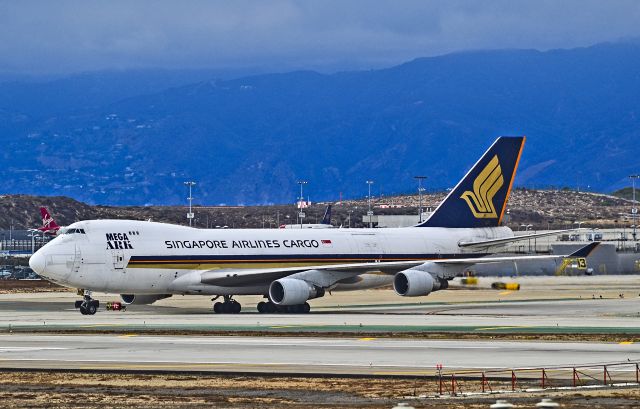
(541, 208)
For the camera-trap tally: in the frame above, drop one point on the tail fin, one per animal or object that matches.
(480, 198)
(48, 224)
(326, 219)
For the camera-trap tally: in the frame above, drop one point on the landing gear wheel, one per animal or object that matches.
(91, 309)
(87, 306)
(270, 308)
(229, 306)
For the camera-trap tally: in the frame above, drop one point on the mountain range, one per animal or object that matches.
(133, 138)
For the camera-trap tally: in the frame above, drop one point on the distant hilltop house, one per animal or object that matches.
(389, 206)
(301, 204)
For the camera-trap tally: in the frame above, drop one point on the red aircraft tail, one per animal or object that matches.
(48, 224)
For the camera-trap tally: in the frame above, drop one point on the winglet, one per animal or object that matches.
(585, 251)
(480, 198)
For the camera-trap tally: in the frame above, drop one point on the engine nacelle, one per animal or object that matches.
(291, 291)
(414, 283)
(142, 299)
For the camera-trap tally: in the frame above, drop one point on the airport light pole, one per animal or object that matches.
(370, 212)
(301, 214)
(528, 228)
(420, 189)
(32, 234)
(190, 198)
(634, 210)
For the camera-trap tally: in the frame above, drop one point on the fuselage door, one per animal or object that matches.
(369, 244)
(77, 259)
(118, 259)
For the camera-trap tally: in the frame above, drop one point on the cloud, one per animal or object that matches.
(70, 36)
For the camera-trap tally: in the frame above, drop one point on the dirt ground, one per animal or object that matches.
(74, 390)
(28, 286)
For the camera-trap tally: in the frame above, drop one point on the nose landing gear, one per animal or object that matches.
(229, 306)
(87, 306)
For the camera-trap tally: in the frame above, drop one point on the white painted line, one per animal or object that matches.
(28, 349)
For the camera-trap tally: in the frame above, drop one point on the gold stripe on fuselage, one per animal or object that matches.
(236, 264)
(218, 265)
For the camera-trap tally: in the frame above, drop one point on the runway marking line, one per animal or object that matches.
(366, 339)
(509, 327)
(405, 373)
(156, 365)
(506, 292)
(127, 335)
(626, 343)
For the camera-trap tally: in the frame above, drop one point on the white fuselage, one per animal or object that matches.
(136, 257)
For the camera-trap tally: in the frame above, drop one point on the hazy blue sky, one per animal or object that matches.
(69, 36)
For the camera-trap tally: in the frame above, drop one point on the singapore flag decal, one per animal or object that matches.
(326, 243)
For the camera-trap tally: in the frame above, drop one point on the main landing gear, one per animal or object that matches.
(229, 306)
(270, 308)
(87, 306)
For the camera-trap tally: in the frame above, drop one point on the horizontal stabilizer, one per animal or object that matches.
(585, 251)
(506, 240)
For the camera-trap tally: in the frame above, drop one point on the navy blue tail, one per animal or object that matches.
(479, 199)
(326, 219)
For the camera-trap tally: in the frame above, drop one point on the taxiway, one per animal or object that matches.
(284, 355)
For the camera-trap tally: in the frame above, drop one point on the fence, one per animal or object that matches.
(527, 379)
(21, 246)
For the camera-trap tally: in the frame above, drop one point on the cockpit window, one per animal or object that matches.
(74, 231)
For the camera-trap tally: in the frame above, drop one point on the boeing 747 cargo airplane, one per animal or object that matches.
(146, 261)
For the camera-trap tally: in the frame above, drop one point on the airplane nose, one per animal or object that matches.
(36, 262)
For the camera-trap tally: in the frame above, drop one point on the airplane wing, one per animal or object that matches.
(230, 278)
(497, 242)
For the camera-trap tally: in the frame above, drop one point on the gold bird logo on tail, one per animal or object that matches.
(485, 187)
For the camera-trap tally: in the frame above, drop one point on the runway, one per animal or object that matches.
(284, 355)
(346, 333)
(55, 312)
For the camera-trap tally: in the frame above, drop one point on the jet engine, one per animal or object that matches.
(414, 283)
(143, 299)
(291, 291)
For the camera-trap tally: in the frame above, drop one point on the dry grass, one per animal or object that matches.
(94, 390)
